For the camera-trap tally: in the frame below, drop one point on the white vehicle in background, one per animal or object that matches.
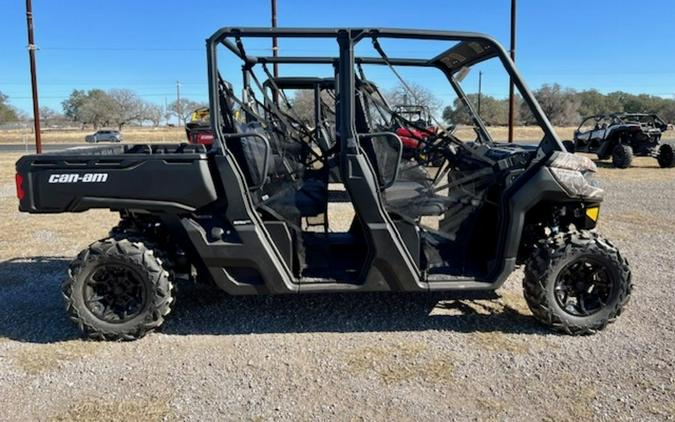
(104, 136)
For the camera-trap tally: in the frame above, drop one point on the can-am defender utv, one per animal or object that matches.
(241, 214)
(622, 136)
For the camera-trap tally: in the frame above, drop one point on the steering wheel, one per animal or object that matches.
(438, 146)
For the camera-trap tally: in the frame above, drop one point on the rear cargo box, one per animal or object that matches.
(158, 177)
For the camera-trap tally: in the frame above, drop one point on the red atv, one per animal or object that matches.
(413, 136)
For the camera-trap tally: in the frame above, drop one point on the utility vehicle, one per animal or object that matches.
(198, 129)
(406, 116)
(251, 213)
(415, 113)
(622, 136)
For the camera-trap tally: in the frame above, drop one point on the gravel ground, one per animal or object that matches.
(372, 356)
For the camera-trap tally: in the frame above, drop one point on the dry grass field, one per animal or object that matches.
(175, 134)
(372, 356)
(75, 136)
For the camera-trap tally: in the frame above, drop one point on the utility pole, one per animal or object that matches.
(512, 99)
(480, 88)
(275, 48)
(33, 77)
(179, 112)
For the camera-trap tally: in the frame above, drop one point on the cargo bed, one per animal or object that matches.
(144, 177)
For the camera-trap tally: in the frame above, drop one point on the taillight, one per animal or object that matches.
(204, 138)
(19, 187)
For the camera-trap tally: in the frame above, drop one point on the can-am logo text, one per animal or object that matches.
(78, 178)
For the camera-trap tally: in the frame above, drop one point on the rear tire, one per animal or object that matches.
(118, 289)
(666, 157)
(577, 263)
(622, 156)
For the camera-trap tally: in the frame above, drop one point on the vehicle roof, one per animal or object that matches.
(619, 115)
(300, 82)
(471, 47)
(308, 82)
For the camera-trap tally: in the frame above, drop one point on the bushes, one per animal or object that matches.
(563, 106)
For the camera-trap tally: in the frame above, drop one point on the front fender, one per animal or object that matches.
(542, 186)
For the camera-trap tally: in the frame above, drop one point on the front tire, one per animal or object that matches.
(666, 157)
(577, 282)
(622, 156)
(118, 289)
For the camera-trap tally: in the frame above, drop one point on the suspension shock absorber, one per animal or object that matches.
(557, 213)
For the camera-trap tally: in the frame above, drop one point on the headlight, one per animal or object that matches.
(575, 174)
(565, 160)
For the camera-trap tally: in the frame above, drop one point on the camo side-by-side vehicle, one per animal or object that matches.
(251, 212)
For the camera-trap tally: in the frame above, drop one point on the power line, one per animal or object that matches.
(119, 49)
(56, 97)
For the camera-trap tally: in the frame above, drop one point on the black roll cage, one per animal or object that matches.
(622, 118)
(471, 48)
(389, 263)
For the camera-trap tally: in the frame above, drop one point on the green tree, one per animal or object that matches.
(457, 113)
(97, 109)
(493, 111)
(73, 105)
(592, 102)
(93, 107)
(614, 102)
(7, 112)
(561, 105)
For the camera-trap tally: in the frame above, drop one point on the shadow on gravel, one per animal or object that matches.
(609, 165)
(32, 310)
(205, 310)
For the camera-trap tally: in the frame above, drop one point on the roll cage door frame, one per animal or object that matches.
(390, 265)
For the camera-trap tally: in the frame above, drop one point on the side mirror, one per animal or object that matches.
(384, 150)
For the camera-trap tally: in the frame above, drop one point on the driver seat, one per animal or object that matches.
(410, 194)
